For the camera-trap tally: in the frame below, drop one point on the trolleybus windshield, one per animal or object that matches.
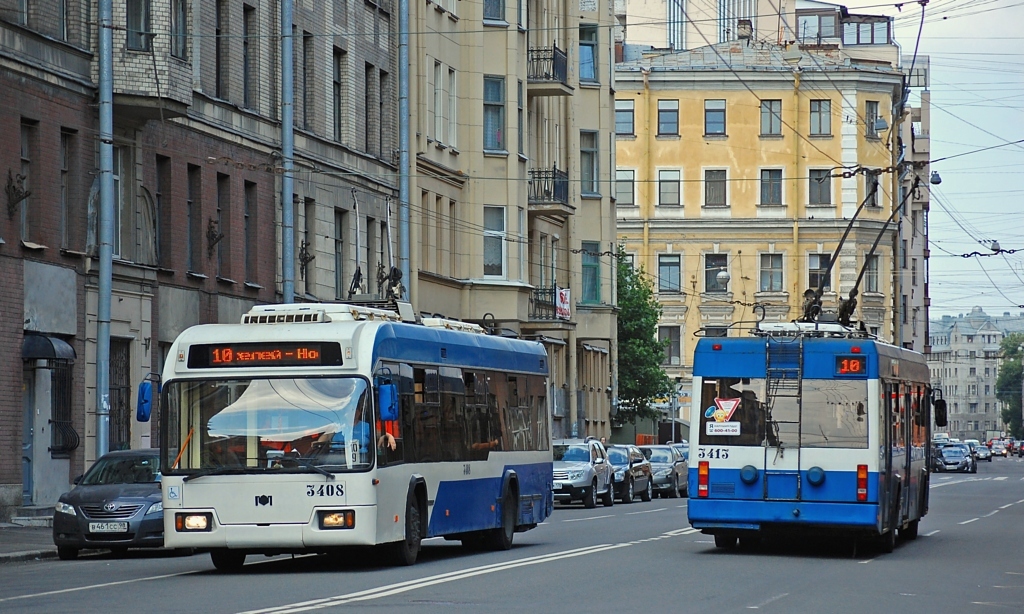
(242, 425)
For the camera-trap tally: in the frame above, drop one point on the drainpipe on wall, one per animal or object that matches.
(106, 226)
(288, 153)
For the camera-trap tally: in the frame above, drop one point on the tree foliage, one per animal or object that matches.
(1008, 383)
(641, 378)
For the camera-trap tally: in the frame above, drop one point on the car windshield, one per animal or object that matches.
(573, 452)
(952, 453)
(271, 424)
(617, 456)
(123, 470)
(658, 456)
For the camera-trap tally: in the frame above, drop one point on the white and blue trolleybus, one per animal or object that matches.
(809, 427)
(312, 427)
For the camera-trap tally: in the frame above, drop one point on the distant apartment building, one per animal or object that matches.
(513, 221)
(739, 166)
(964, 363)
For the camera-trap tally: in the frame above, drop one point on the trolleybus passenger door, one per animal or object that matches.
(784, 384)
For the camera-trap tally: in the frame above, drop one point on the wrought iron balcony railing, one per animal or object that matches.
(548, 64)
(549, 186)
(542, 304)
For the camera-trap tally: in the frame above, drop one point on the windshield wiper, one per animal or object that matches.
(214, 471)
(308, 464)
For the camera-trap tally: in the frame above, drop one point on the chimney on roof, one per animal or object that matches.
(744, 29)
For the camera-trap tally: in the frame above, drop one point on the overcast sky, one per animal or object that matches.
(977, 88)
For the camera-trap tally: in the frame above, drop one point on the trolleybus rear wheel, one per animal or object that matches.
(909, 532)
(725, 541)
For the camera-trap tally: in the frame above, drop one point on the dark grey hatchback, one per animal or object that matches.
(116, 505)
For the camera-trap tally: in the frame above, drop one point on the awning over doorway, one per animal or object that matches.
(42, 347)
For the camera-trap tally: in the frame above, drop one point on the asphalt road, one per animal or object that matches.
(968, 558)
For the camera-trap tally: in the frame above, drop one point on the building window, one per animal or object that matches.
(871, 188)
(771, 117)
(871, 274)
(669, 336)
(494, 113)
(903, 258)
(494, 241)
(588, 162)
(591, 271)
(714, 117)
(308, 81)
(27, 134)
(903, 308)
(339, 253)
(668, 188)
(521, 125)
(713, 265)
(866, 33)
(715, 188)
(179, 29)
(819, 190)
(220, 31)
(164, 207)
(813, 28)
(383, 104)
(193, 217)
(494, 10)
(121, 183)
(669, 271)
(624, 117)
(251, 225)
(223, 215)
(588, 53)
(521, 15)
(249, 44)
(821, 118)
(453, 108)
(438, 100)
(771, 273)
(137, 25)
(870, 115)
(668, 117)
(771, 186)
(308, 273)
(716, 331)
(913, 271)
(338, 88)
(624, 187)
(818, 273)
(65, 188)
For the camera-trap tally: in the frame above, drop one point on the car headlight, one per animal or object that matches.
(64, 508)
(155, 508)
(620, 475)
(575, 475)
(663, 473)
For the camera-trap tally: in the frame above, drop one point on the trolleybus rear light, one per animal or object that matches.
(702, 479)
(862, 482)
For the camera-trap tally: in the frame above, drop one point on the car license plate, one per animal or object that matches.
(108, 527)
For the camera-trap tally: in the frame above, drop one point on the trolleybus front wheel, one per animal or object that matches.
(227, 560)
(501, 538)
(406, 551)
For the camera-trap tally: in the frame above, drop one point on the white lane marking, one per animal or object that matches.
(685, 531)
(968, 521)
(660, 509)
(1021, 501)
(403, 587)
(685, 504)
(591, 518)
(1003, 507)
(999, 478)
(103, 585)
(992, 513)
(865, 562)
(932, 533)
(767, 601)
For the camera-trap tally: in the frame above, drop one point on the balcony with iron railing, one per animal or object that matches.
(544, 311)
(548, 72)
(549, 192)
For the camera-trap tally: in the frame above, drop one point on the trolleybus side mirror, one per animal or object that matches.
(387, 401)
(940, 412)
(144, 406)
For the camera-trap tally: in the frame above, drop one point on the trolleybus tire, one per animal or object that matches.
(501, 538)
(627, 491)
(725, 541)
(887, 541)
(750, 542)
(909, 532)
(608, 498)
(648, 493)
(227, 560)
(404, 552)
(67, 553)
(590, 496)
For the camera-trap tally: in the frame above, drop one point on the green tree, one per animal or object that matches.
(1008, 383)
(641, 378)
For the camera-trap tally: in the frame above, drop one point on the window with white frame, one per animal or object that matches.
(668, 188)
(588, 54)
(494, 241)
(821, 118)
(453, 108)
(871, 274)
(669, 336)
(624, 187)
(494, 113)
(870, 115)
(714, 266)
(137, 25)
(669, 272)
(771, 273)
(520, 125)
(771, 186)
(817, 271)
(714, 117)
(438, 101)
(589, 162)
(591, 269)
(715, 188)
(668, 117)
(819, 187)
(771, 117)
(871, 188)
(624, 117)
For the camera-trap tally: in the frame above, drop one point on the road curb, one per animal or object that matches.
(27, 555)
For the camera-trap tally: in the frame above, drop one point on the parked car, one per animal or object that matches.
(955, 458)
(581, 472)
(633, 475)
(116, 505)
(683, 448)
(670, 470)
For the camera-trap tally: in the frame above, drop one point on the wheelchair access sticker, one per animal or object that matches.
(722, 411)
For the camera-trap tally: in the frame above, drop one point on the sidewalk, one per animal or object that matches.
(19, 543)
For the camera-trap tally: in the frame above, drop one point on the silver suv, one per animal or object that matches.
(582, 472)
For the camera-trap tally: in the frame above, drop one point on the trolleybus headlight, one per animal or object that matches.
(192, 522)
(749, 474)
(816, 476)
(337, 519)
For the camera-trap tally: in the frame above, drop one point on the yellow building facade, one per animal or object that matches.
(738, 169)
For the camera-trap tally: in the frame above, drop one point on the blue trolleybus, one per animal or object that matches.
(307, 428)
(809, 428)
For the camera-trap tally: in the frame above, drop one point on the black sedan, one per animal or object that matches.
(670, 470)
(115, 505)
(633, 475)
(953, 458)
